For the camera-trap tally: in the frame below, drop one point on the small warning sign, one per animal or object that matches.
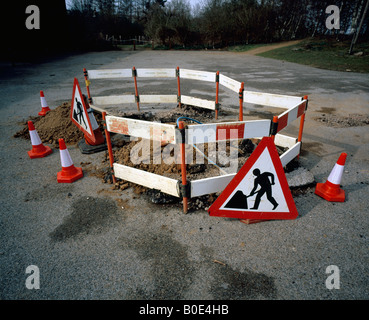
(259, 190)
(79, 114)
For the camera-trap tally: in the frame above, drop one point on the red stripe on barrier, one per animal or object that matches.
(227, 131)
(301, 109)
(282, 122)
(119, 126)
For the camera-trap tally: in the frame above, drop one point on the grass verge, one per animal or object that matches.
(327, 54)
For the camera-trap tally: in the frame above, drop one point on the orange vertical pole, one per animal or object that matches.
(87, 85)
(134, 74)
(217, 96)
(179, 87)
(240, 116)
(110, 150)
(274, 127)
(301, 128)
(183, 164)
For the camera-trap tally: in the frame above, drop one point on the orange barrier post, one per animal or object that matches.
(179, 87)
(134, 74)
(110, 150)
(183, 165)
(274, 127)
(240, 117)
(87, 85)
(217, 96)
(301, 128)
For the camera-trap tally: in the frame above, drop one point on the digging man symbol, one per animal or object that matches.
(262, 179)
(79, 114)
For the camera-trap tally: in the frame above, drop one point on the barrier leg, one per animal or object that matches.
(183, 165)
(134, 74)
(110, 150)
(217, 96)
(240, 117)
(274, 127)
(87, 85)
(301, 128)
(179, 87)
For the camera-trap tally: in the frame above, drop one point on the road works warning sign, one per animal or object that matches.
(79, 114)
(259, 190)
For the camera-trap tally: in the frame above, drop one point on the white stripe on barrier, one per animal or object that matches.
(290, 154)
(284, 141)
(156, 73)
(66, 160)
(158, 98)
(142, 129)
(290, 115)
(229, 83)
(35, 138)
(105, 100)
(197, 75)
(271, 100)
(109, 73)
(146, 179)
(197, 102)
(210, 185)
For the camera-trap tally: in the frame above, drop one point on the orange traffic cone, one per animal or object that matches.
(69, 172)
(38, 149)
(330, 190)
(44, 107)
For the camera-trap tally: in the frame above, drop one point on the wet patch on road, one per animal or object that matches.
(89, 215)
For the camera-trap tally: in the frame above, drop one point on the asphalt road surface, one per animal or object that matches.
(86, 244)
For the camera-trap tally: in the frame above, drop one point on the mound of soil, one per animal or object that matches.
(55, 125)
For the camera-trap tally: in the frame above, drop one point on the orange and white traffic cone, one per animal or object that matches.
(330, 190)
(38, 149)
(44, 107)
(69, 172)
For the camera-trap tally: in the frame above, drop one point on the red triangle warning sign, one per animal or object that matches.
(79, 114)
(259, 190)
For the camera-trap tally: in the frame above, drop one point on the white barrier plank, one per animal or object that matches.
(212, 132)
(158, 98)
(156, 73)
(146, 179)
(271, 100)
(98, 109)
(197, 75)
(290, 154)
(197, 102)
(284, 141)
(142, 129)
(119, 99)
(109, 73)
(229, 83)
(210, 185)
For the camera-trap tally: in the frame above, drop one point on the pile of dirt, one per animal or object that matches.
(55, 125)
(336, 121)
(170, 116)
